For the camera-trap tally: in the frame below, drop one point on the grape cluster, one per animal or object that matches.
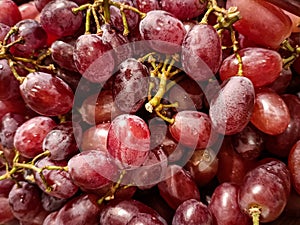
(149, 112)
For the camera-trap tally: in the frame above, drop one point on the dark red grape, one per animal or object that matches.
(25, 201)
(270, 113)
(192, 212)
(293, 164)
(6, 214)
(147, 5)
(128, 140)
(231, 109)
(282, 82)
(51, 203)
(5, 185)
(224, 206)
(164, 32)
(47, 94)
(144, 219)
(58, 19)
(201, 52)
(184, 10)
(61, 142)
(10, 13)
(3, 30)
(98, 65)
(265, 190)
(92, 170)
(261, 66)
(40, 4)
(33, 35)
(203, 166)
(12, 106)
(59, 180)
(177, 180)
(130, 85)
(29, 136)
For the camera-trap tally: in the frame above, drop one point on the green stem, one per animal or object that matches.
(255, 212)
(106, 6)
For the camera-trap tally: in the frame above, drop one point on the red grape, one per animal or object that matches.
(147, 5)
(293, 164)
(144, 219)
(6, 214)
(10, 13)
(28, 10)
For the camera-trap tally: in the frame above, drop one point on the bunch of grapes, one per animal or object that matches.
(149, 112)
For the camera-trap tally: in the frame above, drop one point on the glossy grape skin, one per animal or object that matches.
(253, 27)
(8, 126)
(203, 166)
(231, 109)
(192, 212)
(25, 201)
(60, 142)
(128, 140)
(40, 4)
(10, 13)
(164, 32)
(9, 86)
(130, 85)
(98, 65)
(60, 180)
(183, 10)
(12, 106)
(28, 10)
(201, 52)
(111, 213)
(6, 214)
(249, 143)
(193, 129)
(51, 203)
(30, 135)
(293, 165)
(47, 94)
(58, 19)
(78, 211)
(95, 138)
(34, 36)
(92, 169)
(267, 187)
(3, 30)
(144, 219)
(270, 113)
(224, 206)
(62, 54)
(177, 179)
(282, 82)
(147, 5)
(281, 144)
(261, 66)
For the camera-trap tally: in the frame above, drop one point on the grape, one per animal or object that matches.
(12, 106)
(253, 27)
(293, 165)
(10, 13)
(98, 65)
(224, 206)
(270, 113)
(59, 180)
(201, 52)
(25, 201)
(40, 4)
(281, 144)
(144, 219)
(147, 5)
(231, 109)
(164, 32)
(184, 10)
(58, 19)
(248, 143)
(192, 212)
(118, 42)
(6, 212)
(203, 166)
(177, 179)
(261, 66)
(130, 85)
(282, 82)
(28, 10)
(34, 36)
(50, 219)
(132, 18)
(8, 126)
(46, 94)
(9, 86)
(193, 129)
(61, 142)
(30, 135)
(78, 211)
(51, 203)
(3, 30)
(266, 188)
(62, 54)
(128, 140)
(92, 169)
(111, 215)
(5, 185)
